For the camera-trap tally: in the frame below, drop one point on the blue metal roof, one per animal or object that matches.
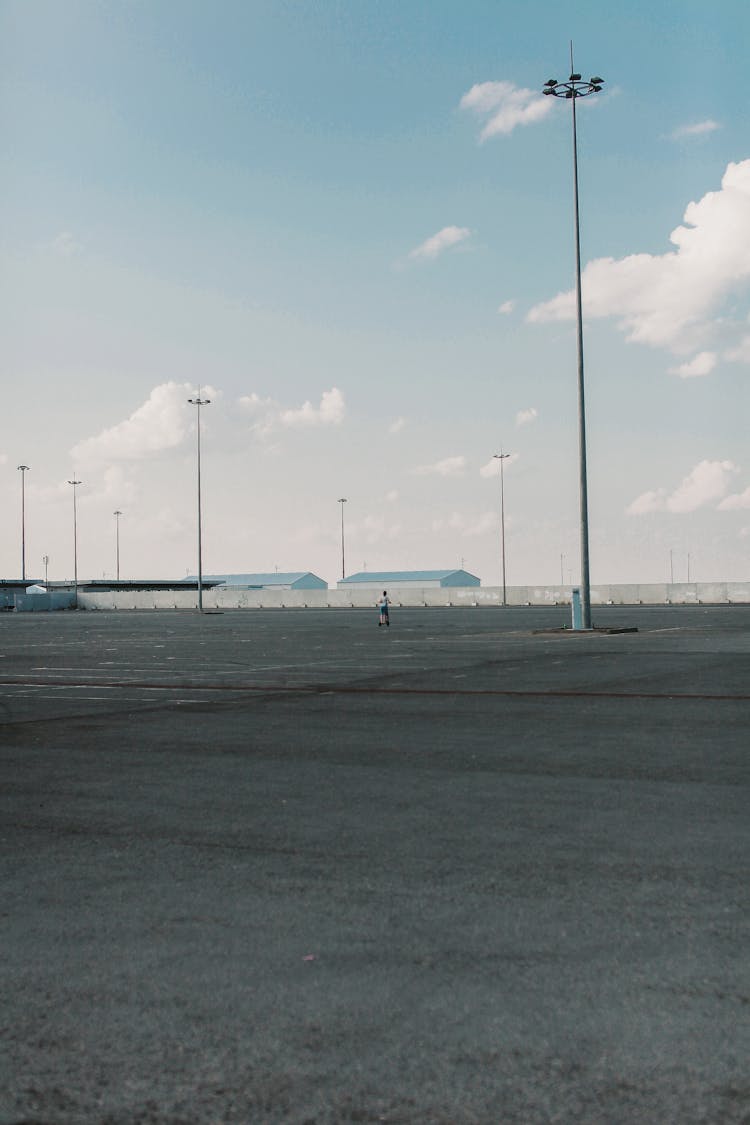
(401, 576)
(277, 578)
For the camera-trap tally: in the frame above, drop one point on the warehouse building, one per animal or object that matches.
(296, 580)
(411, 579)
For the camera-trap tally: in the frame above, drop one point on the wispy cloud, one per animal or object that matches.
(672, 300)
(472, 526)
(65, 244)
(697, 129)
(330, 412)
(437, 243)
(524, 417)
(397, 426)
(269, 416)
(448, 467)
(505, 106)
(701, 364)
(708, 481)
(506, 308)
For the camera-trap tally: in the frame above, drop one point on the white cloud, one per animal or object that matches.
(397, 426)
(492, 468)
(708, 481)
(373, 529)
(269, 416)
(392, 496)
(525, 416)
(735, 502)
(740, 353)
(506, 308)
(3, 458)
(478, 525)
(670, 300)
(437, 243)
(699, 129)
(331, 412)
(161, 423)
(64, 244)
(505, 106)
(449, 467)
(701, 364)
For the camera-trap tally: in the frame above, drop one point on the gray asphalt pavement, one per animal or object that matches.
(287, 866)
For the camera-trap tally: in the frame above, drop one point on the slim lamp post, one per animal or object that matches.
(117, 515)
(342, 501)
(23, 469)
(572, 89)
(75, 484)
(45, 560)
(502, 457)
(199, 402)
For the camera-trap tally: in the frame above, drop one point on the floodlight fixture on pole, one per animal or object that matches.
(572, 89)
(502, 457)
(75, 484)
(117, 515)
(199, 402)
(23, 469)
(342, 501)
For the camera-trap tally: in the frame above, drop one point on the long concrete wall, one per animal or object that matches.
(683, 593)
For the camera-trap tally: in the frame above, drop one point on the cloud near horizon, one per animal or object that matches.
(708, 481)
(673, 300)
(505, 106)
(437, 243)
(448, 467)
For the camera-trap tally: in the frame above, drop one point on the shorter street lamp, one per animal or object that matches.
(199, 402)
(75, 484)
(117, 515)
(23, 469)
(342, 501)
(502, 457)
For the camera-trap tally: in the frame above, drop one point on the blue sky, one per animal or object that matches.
(292, 203)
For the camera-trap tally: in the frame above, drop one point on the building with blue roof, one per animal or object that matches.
(296, 580)
(423, 579)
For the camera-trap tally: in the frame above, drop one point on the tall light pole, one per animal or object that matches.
(199, 402)
(117, 515)
(23, 469)
(75, 484)
(573, 89)
(342, 501)
(502, 457)
(45, 560)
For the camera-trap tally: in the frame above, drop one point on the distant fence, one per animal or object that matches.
(682, 593)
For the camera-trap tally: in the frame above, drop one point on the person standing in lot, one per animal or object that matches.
(383, 607)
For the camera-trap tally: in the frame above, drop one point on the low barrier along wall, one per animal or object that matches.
(683, 593)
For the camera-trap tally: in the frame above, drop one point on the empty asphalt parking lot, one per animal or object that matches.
(286, 866)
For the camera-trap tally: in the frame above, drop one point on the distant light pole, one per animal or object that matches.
(502, 457)
(342, 501)
(45, 560)
(23, 469)
(117, 515)
(75, 484)
(572, 89)
(671, 568)
(199, 402)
